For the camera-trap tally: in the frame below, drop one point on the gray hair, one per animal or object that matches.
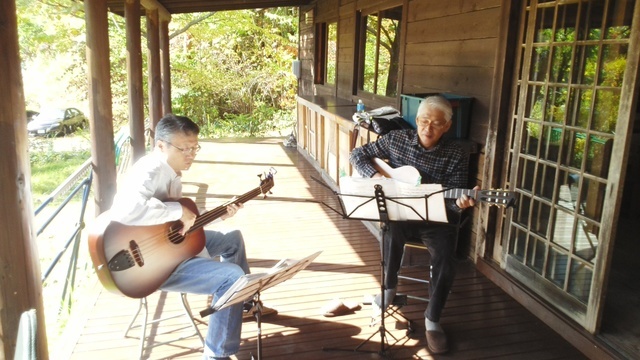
(436, 102)
(172, 124)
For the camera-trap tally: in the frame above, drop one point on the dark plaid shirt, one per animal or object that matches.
(446, 163)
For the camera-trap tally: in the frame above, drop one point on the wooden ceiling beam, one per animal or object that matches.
(163, 13)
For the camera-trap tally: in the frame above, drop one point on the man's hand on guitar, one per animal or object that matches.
(232, 209)
(464, 201)
(187, 219)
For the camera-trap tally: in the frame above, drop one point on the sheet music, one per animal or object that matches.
(248, 285)
(404, 201)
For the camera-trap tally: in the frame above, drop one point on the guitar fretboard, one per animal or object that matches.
(456, 193)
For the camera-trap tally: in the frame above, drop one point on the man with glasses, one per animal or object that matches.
(439, 161)
(148, 197)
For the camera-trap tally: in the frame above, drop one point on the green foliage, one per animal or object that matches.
(231, 72)
(225, 65)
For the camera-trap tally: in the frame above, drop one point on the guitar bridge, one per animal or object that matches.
(126, 259)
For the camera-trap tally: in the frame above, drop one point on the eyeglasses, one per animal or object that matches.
(187, 151)
(436, 124)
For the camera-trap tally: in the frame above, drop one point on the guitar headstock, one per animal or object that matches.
(266, 181)
(499, 197)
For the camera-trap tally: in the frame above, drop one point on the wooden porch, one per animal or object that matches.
(481, 320)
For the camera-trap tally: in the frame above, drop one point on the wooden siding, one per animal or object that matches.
(481, 320)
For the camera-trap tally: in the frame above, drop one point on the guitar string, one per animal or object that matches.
(151, 244)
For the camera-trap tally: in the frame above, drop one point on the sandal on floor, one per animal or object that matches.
(337, 307)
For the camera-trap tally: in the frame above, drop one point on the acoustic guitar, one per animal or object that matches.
(136, 260)
(410, 175)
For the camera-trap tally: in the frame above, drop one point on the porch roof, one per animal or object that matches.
(194, 6)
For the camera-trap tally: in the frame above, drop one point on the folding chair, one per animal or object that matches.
(145, 339)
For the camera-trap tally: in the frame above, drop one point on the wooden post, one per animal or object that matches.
(165, 63)
(134, 77)
(20, 284)
(100, 112)
(155, 84)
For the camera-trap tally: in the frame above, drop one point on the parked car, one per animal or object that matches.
(31, 114)
(57, 122)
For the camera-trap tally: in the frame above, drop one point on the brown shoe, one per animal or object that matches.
(437, 342)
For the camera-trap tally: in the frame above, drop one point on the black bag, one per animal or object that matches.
(382, 125)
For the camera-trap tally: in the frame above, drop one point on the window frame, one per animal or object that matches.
(360, 49)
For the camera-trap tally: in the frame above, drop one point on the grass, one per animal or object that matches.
(50, 169)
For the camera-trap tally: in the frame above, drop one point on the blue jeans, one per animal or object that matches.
(441, 243)
(200, 275)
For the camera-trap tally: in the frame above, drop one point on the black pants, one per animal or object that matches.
(440, 241)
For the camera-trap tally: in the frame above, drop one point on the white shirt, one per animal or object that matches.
(145, 195)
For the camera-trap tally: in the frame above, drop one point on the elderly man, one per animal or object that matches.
(439, 161)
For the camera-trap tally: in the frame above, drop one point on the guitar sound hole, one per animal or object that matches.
(174, 233)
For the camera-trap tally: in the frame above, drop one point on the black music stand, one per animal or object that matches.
(382, 205)
(250, 286)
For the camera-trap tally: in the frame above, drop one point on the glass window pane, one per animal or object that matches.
(536, 250)
(567, 191)
(561, 64)
(539, 63)
(586, 243)
(556, 270)
(370, 46)
(614, 61)
(389, 52)
(531, 138)
(618, 21)
(592, 199)
(598, 155)
(580, 280)
(550, 145)
(605, 115)
(526, 168)
(563, 228)
(535, 102)
(556, 104)
(540, 218)
(579, 104)
(332, 52)
(518, 243)
(573, 149)
(545, 181)
(544, 24)
(522, 210)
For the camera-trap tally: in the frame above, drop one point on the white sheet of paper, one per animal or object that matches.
(404, 201)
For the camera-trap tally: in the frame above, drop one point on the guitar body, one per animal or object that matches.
(410, 175)
(406, 174)
(136, 260)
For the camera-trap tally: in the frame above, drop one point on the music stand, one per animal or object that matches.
(384, 216)
(250, 286)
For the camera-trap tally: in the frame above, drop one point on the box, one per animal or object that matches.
(461, 112)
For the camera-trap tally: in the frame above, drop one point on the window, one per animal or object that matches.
(326, 53)
(379, 51)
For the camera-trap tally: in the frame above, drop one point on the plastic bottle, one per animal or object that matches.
(360, 106)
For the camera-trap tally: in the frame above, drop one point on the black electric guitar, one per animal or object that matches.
(409, 174)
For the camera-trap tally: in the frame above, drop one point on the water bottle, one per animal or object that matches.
(360, 106)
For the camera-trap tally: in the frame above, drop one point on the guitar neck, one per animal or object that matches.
(456, 193)
(213, 214)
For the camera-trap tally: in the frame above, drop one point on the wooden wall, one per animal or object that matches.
(448, 47)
